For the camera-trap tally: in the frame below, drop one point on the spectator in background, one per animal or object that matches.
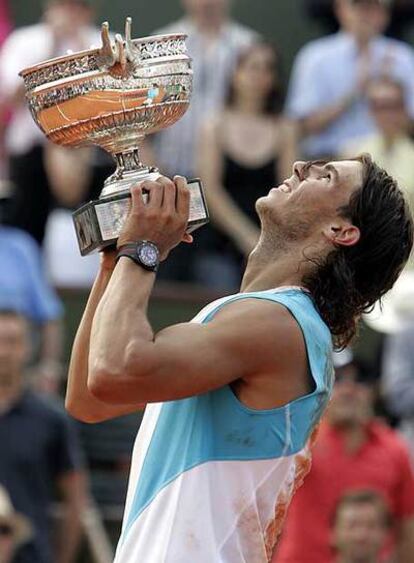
(243, 150)
(15, 528)
(23, 287)
(66, 24)
(38, 452)
(352, 450)
(73, 178)
(214, 42)
(391, 146)
(69, 172)
(332, 108)
(360, 528)
(402, 12)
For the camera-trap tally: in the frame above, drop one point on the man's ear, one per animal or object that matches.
(342, 234)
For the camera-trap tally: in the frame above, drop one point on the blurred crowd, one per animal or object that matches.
(349, 92)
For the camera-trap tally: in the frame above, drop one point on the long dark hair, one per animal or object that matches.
(353, 278)
(274, 101)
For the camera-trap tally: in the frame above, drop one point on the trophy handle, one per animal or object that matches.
(123, 52)
(133, 54)
(107, 54)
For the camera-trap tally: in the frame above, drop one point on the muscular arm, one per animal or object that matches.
(246, 340)
(80, 403)
(128, 361)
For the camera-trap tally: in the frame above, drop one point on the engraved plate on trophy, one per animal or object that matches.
(113, 97)
(107, 217)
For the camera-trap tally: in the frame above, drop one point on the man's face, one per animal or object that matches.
(365, 18)
(258, 68)
(360, 532)
(352, 400)
(14, 347)
(307, 205)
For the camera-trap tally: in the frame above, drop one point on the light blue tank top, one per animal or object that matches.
(184, 448)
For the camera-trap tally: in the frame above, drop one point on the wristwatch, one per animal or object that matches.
(144, 253)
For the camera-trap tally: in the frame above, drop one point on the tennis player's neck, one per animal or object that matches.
(262, 274)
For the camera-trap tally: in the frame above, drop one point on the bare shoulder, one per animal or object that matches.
(247, 340)
(263, 309)
(266, 328)
(271, 343)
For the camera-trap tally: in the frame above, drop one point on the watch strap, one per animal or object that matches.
(130, 250)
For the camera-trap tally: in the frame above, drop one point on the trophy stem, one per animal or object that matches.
(130, 170)
(127, 162)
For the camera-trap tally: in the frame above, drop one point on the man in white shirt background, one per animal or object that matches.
(332, 109)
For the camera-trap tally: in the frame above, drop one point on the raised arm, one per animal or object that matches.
(128, 362)
(80, 403)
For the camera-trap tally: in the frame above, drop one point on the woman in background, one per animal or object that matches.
(247, 149)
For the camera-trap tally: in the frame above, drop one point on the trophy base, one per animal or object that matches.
(99, 223)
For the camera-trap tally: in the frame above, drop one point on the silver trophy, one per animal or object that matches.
(113, 97)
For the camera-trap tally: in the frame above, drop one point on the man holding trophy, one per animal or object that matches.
(234, 396)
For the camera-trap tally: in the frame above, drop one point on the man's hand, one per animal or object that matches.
(162, 219)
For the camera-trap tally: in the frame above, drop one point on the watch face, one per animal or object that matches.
(148, 254)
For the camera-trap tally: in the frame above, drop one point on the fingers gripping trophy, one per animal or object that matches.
(113, 97)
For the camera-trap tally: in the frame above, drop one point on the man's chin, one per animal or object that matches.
(262, 205)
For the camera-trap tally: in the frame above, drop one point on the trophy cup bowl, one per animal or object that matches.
(113, 96)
